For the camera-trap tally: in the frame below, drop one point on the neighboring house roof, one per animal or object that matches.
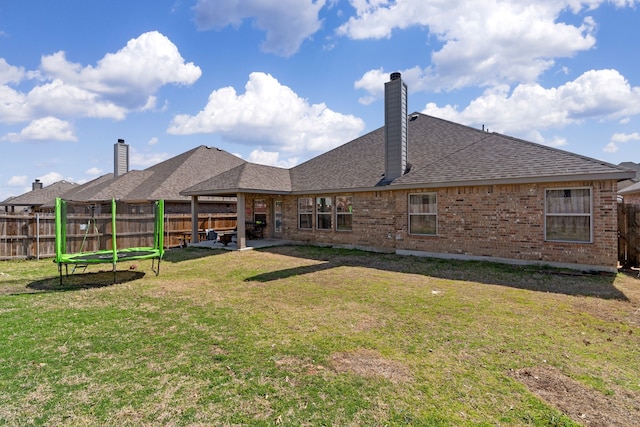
(635, 188)
(628, 182)
(85, 191)
(164, 180)
(118, 188)
(632, 166)
(41, 196)
(441, 154)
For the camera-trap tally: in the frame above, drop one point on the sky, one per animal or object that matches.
(280, 82)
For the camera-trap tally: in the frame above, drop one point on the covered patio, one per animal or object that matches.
(244, 182)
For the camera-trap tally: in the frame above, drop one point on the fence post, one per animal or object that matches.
(38, 236)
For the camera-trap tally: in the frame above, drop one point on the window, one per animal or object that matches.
(568, 215)
(344, 213)
(423, 214)
(259, 211)
(324, 213)
(277, 216)
(305, 213)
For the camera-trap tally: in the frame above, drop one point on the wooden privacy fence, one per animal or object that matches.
(629, 235)
(33, 235)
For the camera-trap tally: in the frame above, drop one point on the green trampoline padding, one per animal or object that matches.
(130, 254)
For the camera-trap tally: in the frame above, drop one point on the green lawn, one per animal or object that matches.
(310, 336)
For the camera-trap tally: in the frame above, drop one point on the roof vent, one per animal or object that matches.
(395, 76)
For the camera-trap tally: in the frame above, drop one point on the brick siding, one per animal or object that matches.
(500, 221)
(632, 199)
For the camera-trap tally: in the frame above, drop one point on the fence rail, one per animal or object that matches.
(33, 235)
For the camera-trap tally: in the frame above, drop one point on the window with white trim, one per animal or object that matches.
(423, 214)
(568, 215)
(344, 213)
(259, 211)
(305, 213)
(324, 213)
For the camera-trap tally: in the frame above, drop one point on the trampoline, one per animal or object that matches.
(108, 233)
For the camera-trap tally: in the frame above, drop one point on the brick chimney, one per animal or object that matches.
(36, 185)
(120, 158)
(395, 128)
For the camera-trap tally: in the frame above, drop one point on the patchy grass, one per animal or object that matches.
(316, 336)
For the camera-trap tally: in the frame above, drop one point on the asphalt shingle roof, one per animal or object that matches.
(169, 178)
(88, 189)
(635, 188)
(440, 152)
(443, 153)
(41, 196)
(248, 177)
(164, 180)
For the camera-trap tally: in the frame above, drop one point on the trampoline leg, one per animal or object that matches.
(153, 263)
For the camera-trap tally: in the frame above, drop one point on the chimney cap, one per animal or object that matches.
(121, 141)
(395, 76)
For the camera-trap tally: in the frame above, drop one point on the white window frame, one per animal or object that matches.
(430, 214)
(568, 214)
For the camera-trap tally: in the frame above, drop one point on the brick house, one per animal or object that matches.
(426, 186)
(631, 194)
(36, 200)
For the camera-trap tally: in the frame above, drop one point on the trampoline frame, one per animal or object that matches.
(113, 255)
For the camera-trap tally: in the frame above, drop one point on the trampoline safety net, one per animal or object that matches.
(108, 232)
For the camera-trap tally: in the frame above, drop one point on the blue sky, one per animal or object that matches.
(279, 82)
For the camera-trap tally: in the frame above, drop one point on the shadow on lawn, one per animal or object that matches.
(78, 281)
(534, 278)
(192, 252)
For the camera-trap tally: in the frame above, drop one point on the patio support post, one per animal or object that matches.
(240, 236)
(194, 219)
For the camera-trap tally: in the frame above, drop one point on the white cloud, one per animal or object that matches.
(17, 180)
(50, 178)
(152, 141)
(144, 160)
(484, 44)
(620, 138)
(44, 129)
(120, 82)
(269, 113)
(271, 158)
(94, 171)
(595, 95)
(9, 73)
(14, 107)
(625, 137)
(131, 75)
(287, 23)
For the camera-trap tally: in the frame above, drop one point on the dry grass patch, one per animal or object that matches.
(370, 364)
(583, 404)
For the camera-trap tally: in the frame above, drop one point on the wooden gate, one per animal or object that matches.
(629, 235)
